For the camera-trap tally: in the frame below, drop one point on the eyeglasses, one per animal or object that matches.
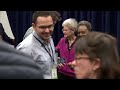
(67, 29)
(82, 58)
(64, 30)
(50, 27)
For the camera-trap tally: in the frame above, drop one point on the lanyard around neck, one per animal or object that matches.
(52, 57)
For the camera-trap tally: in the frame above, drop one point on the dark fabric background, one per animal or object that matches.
(103, 21)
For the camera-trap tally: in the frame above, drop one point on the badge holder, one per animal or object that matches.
(54, 72)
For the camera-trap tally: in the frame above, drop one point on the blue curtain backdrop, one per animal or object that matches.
(103, 21)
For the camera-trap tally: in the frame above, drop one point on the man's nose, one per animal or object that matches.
(47, 30)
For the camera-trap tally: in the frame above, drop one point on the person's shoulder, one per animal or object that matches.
(6, 47)
(30, 28)
(28, 32)
(28, 41)
(63, 39)
(14, 64)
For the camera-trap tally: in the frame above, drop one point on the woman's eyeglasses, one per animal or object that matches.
(82, 58)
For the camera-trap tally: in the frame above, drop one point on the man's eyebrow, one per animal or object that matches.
(46, 25)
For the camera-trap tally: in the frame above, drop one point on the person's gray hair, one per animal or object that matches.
(71, 23)
(86, 23)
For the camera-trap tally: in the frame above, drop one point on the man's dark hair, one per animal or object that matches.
(54, 14)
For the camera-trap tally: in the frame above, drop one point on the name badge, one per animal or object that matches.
(54, 72)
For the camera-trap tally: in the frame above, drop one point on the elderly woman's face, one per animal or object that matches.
(67, 32)
(83, 67)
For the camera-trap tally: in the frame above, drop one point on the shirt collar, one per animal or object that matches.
(35, 34)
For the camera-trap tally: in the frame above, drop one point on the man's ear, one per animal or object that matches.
(97, 64)
(33, 25)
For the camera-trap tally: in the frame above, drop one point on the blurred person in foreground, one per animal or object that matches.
(16, 65)
(97, 57)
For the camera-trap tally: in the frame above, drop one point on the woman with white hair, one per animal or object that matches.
(65, 48)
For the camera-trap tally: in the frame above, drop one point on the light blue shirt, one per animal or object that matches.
(28, 32)
(31, 46)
